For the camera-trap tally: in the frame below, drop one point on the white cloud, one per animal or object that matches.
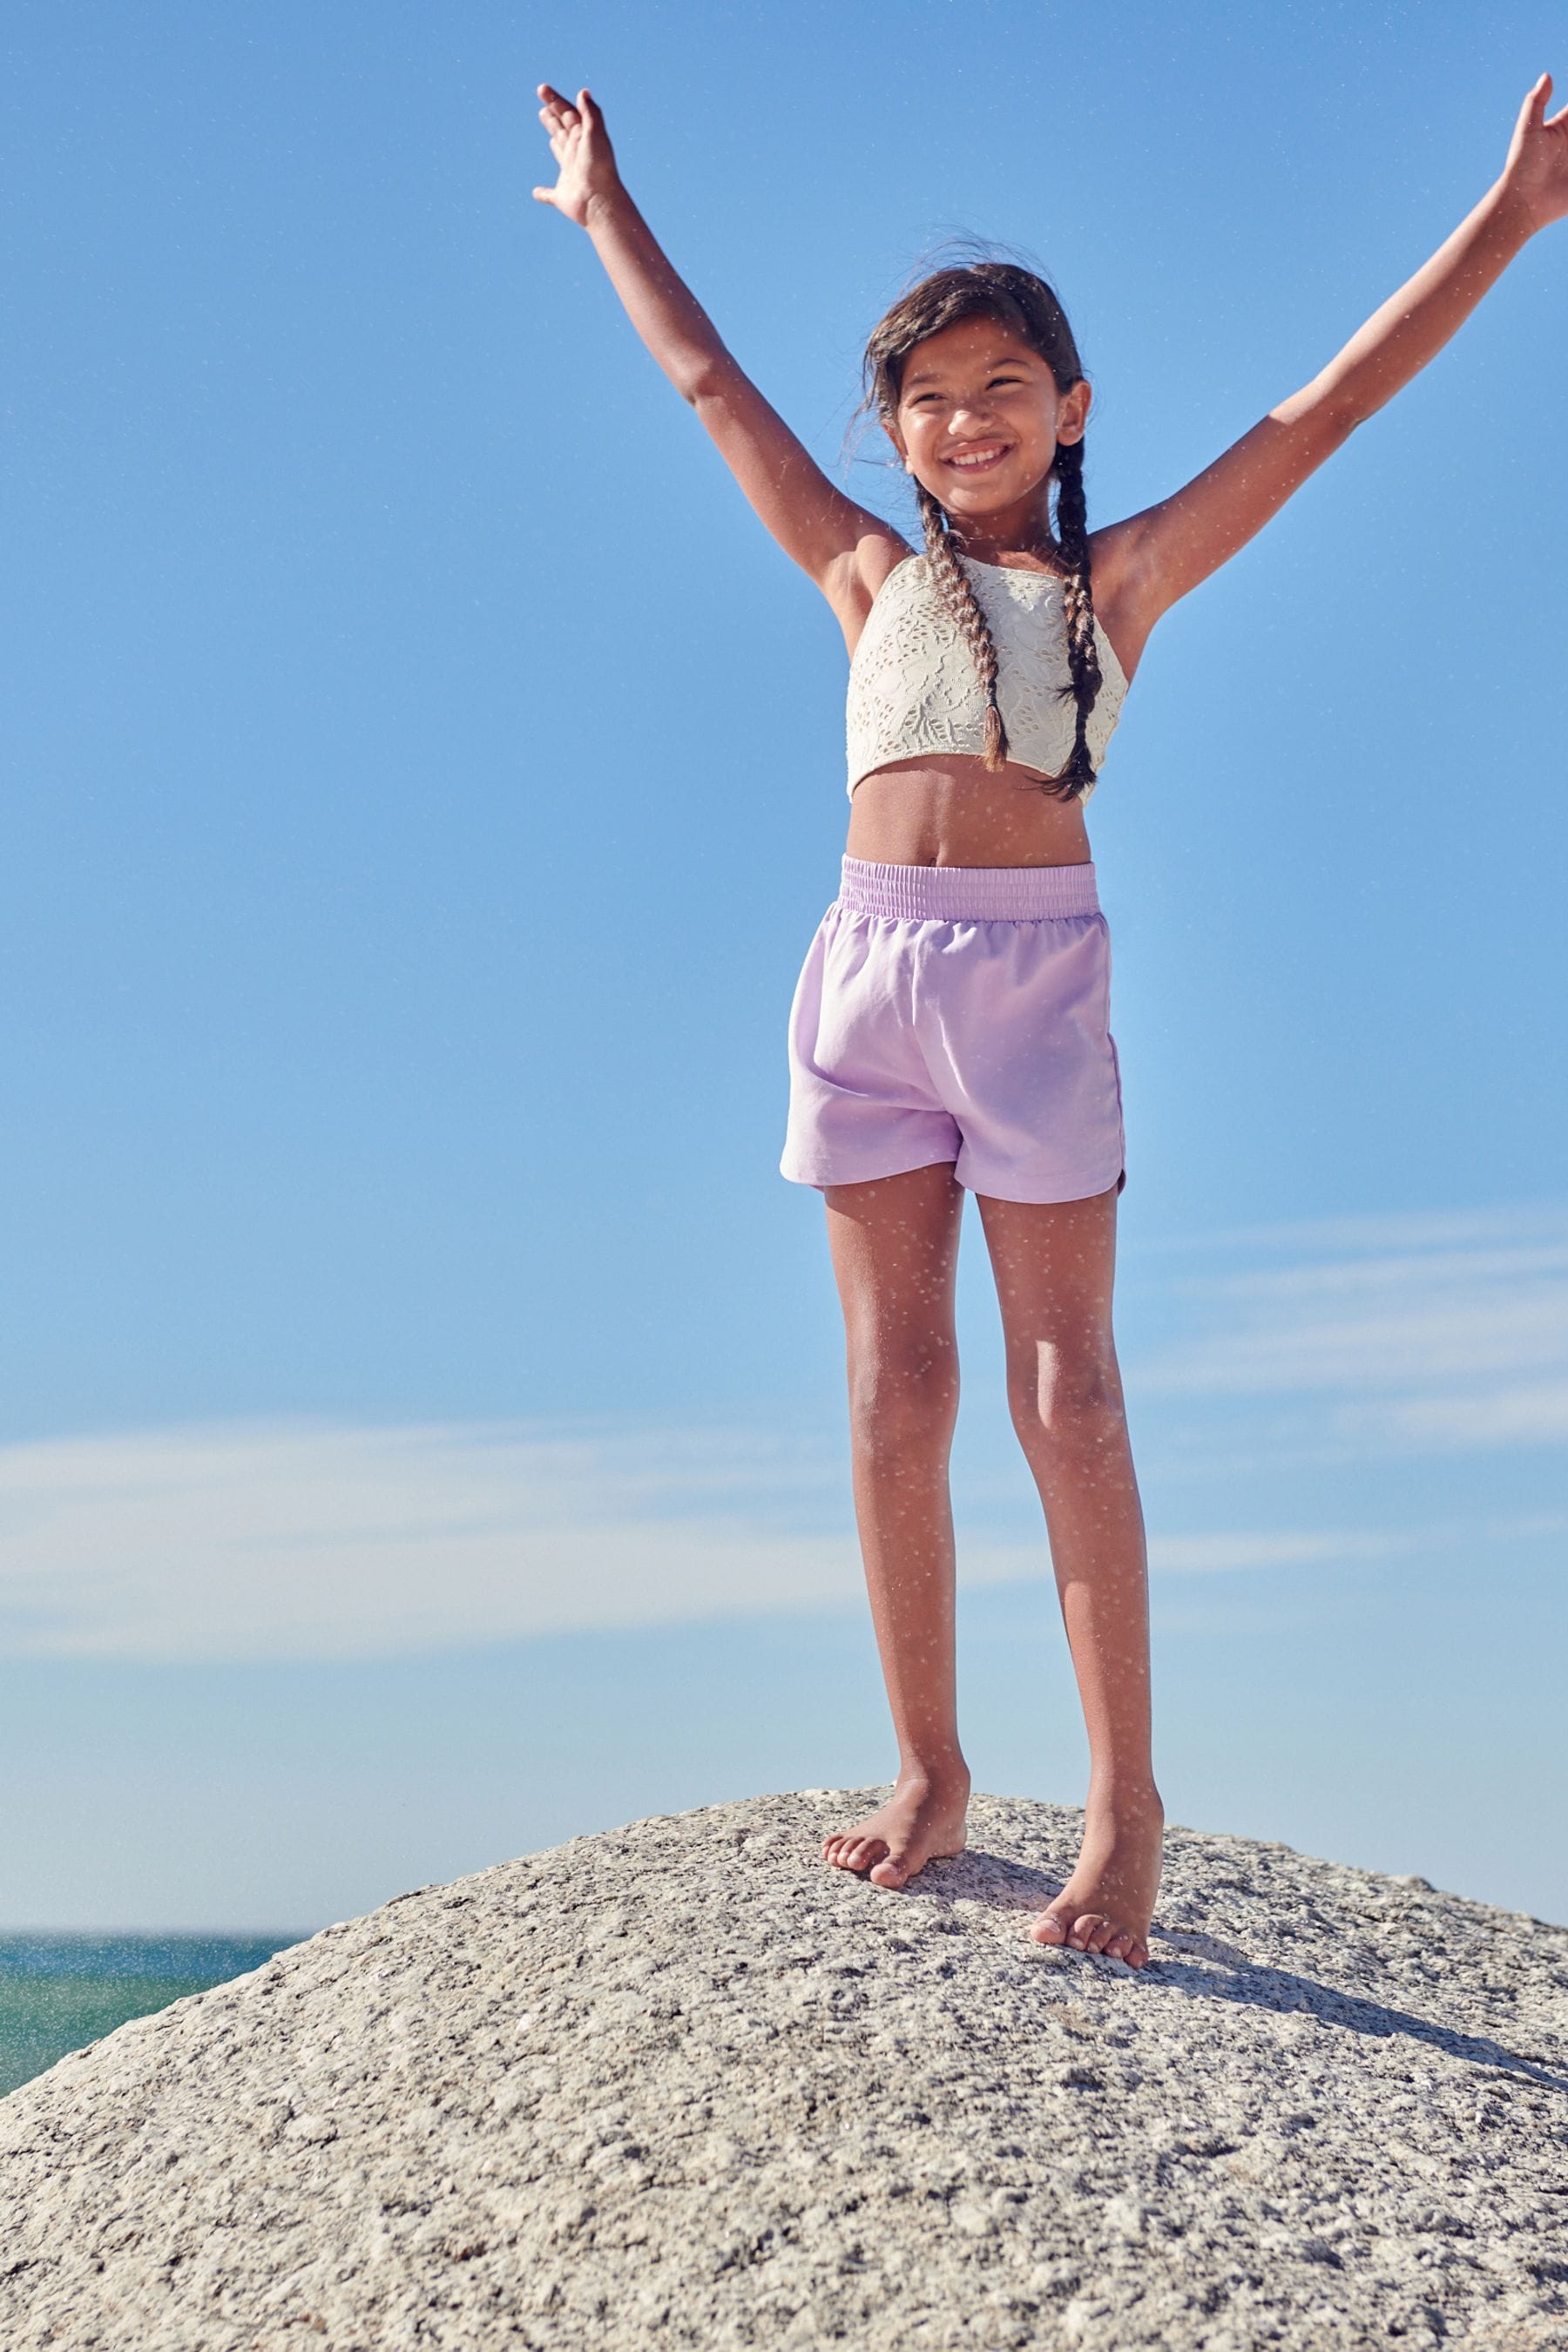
(1396, 1336)
(1206, 1555)
(296, 1540)
(290, 1541)
(1513, 1225)
(1535, 1415)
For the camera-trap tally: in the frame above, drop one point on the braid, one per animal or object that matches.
(953, 586)
(1018, 299)
(1078, 599)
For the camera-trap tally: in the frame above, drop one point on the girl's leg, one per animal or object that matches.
(1054, 1267)
(895, 1250)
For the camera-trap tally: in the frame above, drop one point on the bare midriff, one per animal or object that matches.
(952, 810)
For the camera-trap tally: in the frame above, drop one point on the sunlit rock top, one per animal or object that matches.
(681, 2085)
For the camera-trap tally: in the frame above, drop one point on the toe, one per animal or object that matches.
(1084, 1929)
(1048, 1929)
(891, 1871)
(1117, 1947)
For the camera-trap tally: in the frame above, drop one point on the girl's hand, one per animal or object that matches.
(581, 146)
(1536, 172)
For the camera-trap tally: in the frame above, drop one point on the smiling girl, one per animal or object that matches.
(950, 1030)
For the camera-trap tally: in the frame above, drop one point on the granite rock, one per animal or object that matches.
(681, 2085)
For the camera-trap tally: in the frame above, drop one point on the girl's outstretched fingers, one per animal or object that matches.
(581, 149)
(1537, 166)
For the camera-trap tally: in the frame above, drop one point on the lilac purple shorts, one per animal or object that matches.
(958, 1013)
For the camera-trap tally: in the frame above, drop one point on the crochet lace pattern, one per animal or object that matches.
(913, 683)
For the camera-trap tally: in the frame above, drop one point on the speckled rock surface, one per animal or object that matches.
(681, 2085)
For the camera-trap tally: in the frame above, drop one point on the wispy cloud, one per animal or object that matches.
(1533, 1414)
(1386, 1335)
(298, 1541)
(303, 1540)
(266, 1540)
(1208, 1555)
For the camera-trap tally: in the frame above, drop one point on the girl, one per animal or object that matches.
(950, 1032)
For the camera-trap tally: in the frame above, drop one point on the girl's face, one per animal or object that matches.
(979, 418)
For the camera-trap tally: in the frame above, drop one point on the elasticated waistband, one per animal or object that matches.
(968, 894)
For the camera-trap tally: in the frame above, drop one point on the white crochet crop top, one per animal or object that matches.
(914, 686)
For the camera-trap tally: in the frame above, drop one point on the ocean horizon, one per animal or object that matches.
(59, 1992)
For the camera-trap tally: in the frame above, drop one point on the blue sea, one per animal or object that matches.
(59, 1992)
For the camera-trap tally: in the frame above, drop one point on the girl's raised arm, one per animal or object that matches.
(846, 551)
(1165, 550)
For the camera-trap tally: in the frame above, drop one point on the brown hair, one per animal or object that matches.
(1017, 298)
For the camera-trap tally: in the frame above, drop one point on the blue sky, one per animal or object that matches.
(419, 1414)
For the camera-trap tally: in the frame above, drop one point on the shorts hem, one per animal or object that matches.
(1035, 1199)
(871, 1175)
(1054, 1198)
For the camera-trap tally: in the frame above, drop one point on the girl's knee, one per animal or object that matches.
(903, 1400)
(1067, 1396)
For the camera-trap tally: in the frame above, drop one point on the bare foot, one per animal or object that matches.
(1107, 1904)
(922, 1819)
